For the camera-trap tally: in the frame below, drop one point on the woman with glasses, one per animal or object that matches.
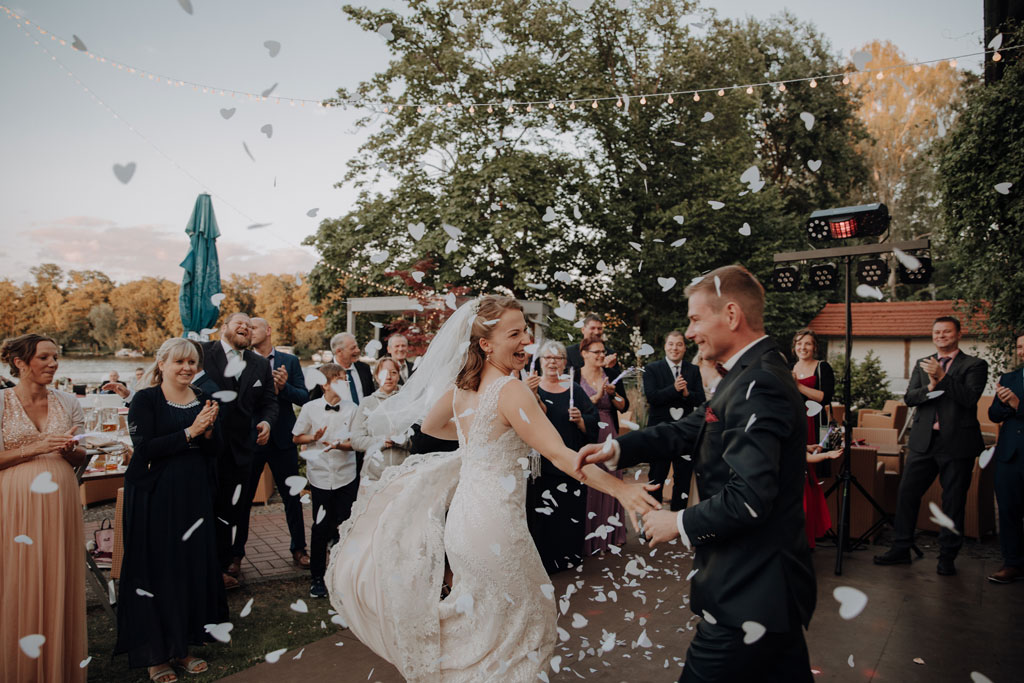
(606, 520)
(555, 502)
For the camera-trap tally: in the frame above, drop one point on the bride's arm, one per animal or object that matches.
(438, 422)
(519, 409)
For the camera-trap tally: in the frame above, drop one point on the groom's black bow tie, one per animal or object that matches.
(336, 408)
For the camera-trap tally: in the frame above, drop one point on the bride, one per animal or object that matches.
(387, 571)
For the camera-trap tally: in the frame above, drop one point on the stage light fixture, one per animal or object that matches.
(873, 272)
(866, 220)
(823, 276)
(919, 276)
(785, 278)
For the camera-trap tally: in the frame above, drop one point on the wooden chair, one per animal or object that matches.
(989, 429)
(980, 517)
(886, 440)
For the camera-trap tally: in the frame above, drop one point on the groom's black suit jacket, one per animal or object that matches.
(752, 559)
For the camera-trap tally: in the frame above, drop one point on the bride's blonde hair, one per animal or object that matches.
(491, 307)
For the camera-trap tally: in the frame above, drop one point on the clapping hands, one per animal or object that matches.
(205, 419)
(1008, 397)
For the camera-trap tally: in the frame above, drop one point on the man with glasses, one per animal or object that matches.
(673, 389)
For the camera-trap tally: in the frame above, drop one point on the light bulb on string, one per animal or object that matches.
(437, 109)
(619, 103)
(401, 107)
(879, 76)
(952, 64)
(572, 105)
(721, 92)
(551, 104)
(594, 104)
(490, 109)
(643, 100)
(996, 57)
(782, 87)
(846, 80)
(814, 83)
(670, 99)
(917, 68)
(419, 110)
(750, 90)
(696, 97)
(472, 109)
(510, 109)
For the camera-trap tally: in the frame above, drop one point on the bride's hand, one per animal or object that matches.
(636, 499)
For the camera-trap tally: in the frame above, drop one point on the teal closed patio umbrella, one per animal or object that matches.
(202, 271)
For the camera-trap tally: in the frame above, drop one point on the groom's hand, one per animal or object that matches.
(592, 454)
(660, 526)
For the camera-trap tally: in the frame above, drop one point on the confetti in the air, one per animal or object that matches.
(851, 601)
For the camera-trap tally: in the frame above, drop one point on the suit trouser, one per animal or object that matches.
(337, 506)
(1009, 486)
(284, 463)
(717, 654)
(230, 477)
(682, 471)
(919, 471)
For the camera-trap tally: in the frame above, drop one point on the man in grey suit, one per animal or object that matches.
(945, 438)
(751, 562)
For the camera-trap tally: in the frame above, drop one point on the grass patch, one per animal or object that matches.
(271, 625)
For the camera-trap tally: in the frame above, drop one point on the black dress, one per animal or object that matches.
(171, 584)
(557, 530)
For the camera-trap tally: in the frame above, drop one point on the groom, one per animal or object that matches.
(753, 575)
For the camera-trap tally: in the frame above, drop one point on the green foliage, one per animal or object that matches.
(984, 229)
(599, 194)
(869, 385)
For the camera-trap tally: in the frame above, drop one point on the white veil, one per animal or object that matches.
(434, 375)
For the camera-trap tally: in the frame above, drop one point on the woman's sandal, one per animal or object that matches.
(193, 665)
(161, 675)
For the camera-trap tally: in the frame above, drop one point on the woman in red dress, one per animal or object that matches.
(816, 381)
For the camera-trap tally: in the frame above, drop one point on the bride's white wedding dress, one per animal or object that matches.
(385, 574)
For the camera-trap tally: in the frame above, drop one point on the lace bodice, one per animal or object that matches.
(489, 447)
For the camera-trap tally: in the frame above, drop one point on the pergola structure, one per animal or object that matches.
(537, 312)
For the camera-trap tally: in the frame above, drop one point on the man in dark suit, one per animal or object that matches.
(245, 423)
(673, 389)
(346, 354)
(398, 348)
(752, 563)
(280, 452)
(593, 328)
(1008, 409)
(945, 438)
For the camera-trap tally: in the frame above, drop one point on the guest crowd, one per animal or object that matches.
(206, 418)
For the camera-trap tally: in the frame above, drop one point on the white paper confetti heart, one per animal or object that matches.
(715, 206)
(578, 620)
(851, 601)
(935, 394)
(215, 299)
(372, 348)
(645, 350)
(225, 396)
(978, 677)
(272, 657)
(643, 640)
(385, 31)
(814, 165)
(983, 459)
(124, 173)
(566, 311)
(417, 276)
(78, 44)
(750, 422)
(313, 212)
(1003, 188)
(861, 58)
(808, 119)
(666, 283)
(187, 6)
(549, 215)
(850, 661)
(718, 286)
(227, 113)
(379, 256)
(676, 413)
(30, 644)
(245, 146)
(909, 262)
(310, 318)
(247, 609)
(273, 47)
(752, 632)
(708, 617)
(464, 604)
(745, 230)
(188, 534)
(43, 483)
(295, 484)
(22, 538)
(416, 230)
(869, 292)
(85, 662)
(548, 590)
(679, 242)
(708, 116)
(450, 246)
(314, 378)
(940, 518)
(996, 42)
(813, 408)
(750, 510)
(299, 606)
(679, 219)
(235, 367)
(143, 593)
(508, 482)
(458, 17)
(268, 130)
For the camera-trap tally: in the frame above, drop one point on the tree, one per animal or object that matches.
(104, 325)
(868, 383)
(981, 163)
(581, 204)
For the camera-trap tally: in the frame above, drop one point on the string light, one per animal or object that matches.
(619, 103)
(996, 56)
(472, 109)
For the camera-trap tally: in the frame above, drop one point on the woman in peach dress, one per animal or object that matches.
(42, 566)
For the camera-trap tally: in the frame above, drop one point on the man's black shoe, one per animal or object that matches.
(317, 589)
(945, 567)
(894, 556)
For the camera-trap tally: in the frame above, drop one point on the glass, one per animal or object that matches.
(552, 357)
(596, 353)
(109, 420)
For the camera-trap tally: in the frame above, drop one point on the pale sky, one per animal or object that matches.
(60, 201)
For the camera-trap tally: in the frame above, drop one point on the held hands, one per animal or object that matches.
(636, 500)
(1008, 397)
(592, 454)
(280, 378)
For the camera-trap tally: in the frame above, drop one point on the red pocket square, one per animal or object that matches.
(709, 415)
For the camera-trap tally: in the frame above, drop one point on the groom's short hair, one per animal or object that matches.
(736, 284)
